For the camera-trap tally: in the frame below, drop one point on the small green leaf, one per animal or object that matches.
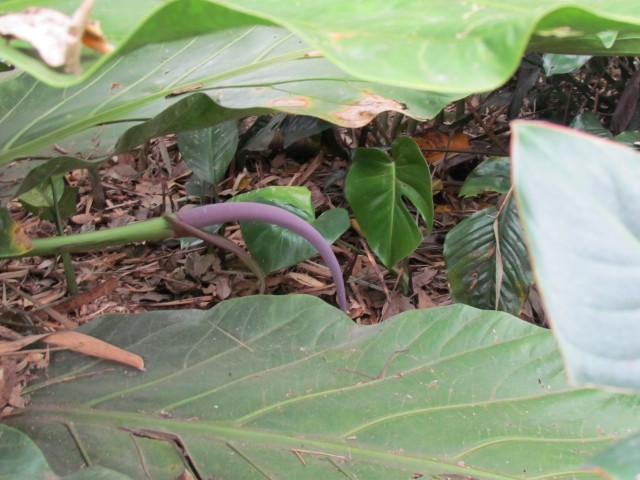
(579, 201)
(13, 241)
(492, 175)
(209, 151)
(630, 139)
(274, 247)
(555, 64)
(52, 167)
(589, 123)
(375, 188)
(40, 200)
(486, 260)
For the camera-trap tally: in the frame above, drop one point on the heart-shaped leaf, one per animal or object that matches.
(274, 247)
(376, 187)
(289, 387)
(579, 201)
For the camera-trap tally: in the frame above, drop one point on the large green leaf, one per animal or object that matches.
(435, 44)
(376, 187)
(239, 63)
(579, 200)
(289, 387)
(431, 45)
(487, 262)
(274, 247)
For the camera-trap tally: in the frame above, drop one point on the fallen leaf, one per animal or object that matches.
(58, 38)
(79, 342)
(306, 280)
(434, 143)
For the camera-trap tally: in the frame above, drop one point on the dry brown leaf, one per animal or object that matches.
(306, 280)
(434, 139)
(57, 37)
(79, 342)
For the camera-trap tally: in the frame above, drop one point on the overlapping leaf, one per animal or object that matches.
(487, 262)
(208, 152)
(580, 204)
(432, 46)
(274, 247)
(292, 388)
(238, 66)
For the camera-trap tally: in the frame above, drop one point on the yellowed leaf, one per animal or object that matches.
(57, 37)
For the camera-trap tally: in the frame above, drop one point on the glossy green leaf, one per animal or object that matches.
(13, 241)
(209, 151)
(555, 64)
(620, 461)
(487, 263)
(435, 51)
(376, 187)
(289, 387)
(395, 43)
(274, 247)
(492, 175)
(580, 204)
(630, 139)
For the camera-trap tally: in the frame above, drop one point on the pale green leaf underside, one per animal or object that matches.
(248, 382)
(580, 204)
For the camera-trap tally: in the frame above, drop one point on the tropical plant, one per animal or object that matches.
(261, 387)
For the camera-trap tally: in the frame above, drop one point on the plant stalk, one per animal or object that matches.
(69, 272)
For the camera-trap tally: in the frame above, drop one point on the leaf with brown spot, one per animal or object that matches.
(366, 109)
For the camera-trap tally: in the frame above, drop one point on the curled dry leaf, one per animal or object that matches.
(78, 342)
(58, 38)
(82, 343)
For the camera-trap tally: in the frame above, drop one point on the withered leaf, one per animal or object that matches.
(57, 37)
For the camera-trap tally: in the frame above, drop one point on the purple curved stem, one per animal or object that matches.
(259, 212)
